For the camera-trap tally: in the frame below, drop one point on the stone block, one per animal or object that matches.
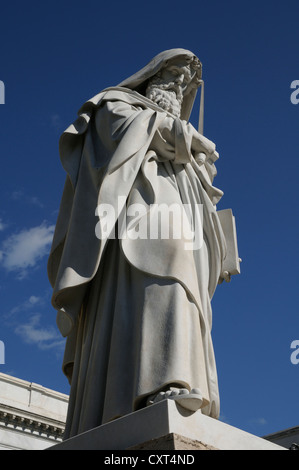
(162, 426)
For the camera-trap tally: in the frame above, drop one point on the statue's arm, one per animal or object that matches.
(179, 141)
(174, 140)
(163, 142)
(112, 121)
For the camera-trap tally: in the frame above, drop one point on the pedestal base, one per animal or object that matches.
(166, 426)
(172, 442)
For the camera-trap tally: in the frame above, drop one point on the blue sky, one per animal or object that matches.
(56, 55)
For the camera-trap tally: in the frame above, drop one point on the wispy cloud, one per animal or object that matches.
(2, 225)
(56, 122)
(31, 303)
(258, 421)
(29, 320)
(20, 196)
(25, 249)
(32, 332)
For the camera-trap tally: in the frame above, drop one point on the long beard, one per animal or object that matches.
(166, 95)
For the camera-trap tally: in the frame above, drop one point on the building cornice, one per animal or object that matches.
(30, 423)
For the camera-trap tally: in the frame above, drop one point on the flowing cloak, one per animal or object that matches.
(136, 311)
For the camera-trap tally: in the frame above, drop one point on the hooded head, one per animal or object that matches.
(140, 80)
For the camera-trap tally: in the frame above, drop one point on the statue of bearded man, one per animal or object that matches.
(136, 310)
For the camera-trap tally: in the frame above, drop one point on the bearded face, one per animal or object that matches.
(166, 95)
(168, 87)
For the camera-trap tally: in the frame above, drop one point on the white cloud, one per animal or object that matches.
(258, 421)
(25, 249)
(2, 225)
(30, 324)
(26, 306)
(19, 195)
(33, 300)
(44, 337)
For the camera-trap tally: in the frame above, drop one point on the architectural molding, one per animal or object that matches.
(31, 416)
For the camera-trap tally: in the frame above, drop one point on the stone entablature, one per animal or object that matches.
(31, 416)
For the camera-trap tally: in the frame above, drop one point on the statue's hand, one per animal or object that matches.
(202, 157)
(225, 276)
(203, 149)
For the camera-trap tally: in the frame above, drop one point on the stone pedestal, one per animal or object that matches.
(166, 426)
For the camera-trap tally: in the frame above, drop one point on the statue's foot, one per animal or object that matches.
(190, 400)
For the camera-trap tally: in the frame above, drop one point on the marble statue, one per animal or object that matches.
(136, 310)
